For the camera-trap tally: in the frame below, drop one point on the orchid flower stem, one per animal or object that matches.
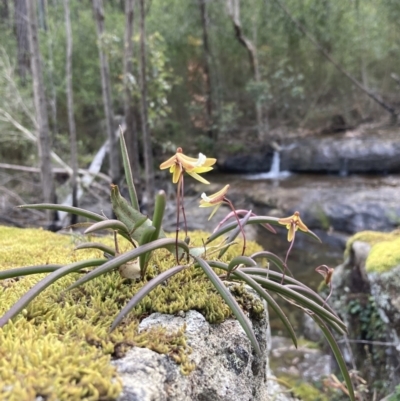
(183, 206)
(330, 293)
(238, 220)
(178, 201)
(287, 256)
(116, 243)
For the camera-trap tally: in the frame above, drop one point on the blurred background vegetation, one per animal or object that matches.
(297, 86)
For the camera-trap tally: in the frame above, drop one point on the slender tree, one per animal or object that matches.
(21, 32)
(106, 89)
(5, 12)
(207, 72)
(132, 140)
(70, 107)
(147, 147)
(233, 7)
(40, 107)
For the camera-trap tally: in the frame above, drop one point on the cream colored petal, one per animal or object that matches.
(215, 210)
(176, 174)
(168, 163)
(197, 177)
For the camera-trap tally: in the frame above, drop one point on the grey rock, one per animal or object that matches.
(226, 366)
(369, 304)
(343, 155)
(254, 162)
(344, 205)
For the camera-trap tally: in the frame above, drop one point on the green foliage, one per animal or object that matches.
(383, 256)
(296, 83)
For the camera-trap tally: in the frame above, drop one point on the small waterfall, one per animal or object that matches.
(273, 173)
(276, 164)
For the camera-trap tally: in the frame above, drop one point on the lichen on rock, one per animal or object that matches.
(60, 347)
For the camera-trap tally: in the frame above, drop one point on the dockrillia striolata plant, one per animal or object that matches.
(146, 236)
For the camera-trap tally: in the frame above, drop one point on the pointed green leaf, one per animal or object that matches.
(338, 354)
(146, 238)
(302, 300)
(230, 226)
(159, 209)
(263, 294)
(231, 302)
(96, 245)
(127, 256)
(276, 260)
(235, 232)
(240, 260)
(128, 215)
(69, 209)
(28, 270)
(145, 290)
(43, 284)
(277, 277)
(254, 220)
(108, 225)
(128, 172)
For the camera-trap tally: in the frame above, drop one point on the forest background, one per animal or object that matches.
(193, 73)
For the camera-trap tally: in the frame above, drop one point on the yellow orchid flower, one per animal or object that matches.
(293, 223)
(214, 200)
(179, 163)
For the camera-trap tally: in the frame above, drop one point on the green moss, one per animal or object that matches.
(307, 392)
(59, 347)
(370, 237)
(303, 390)
(383, 256)
(385, 249)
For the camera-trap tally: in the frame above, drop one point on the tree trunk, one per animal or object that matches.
(147, 147)
(40, 107)
(42, 15)
(132, 140)
(70, 107)
(5, 13)
(21, 33)
(107, 99)
(207, 73)
(49, 28)
(234, 12)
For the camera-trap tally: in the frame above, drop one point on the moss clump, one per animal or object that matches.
(383, 256)
(59, 347)
(307, 392)
(385, 249)
(370, 237)
(303, 390)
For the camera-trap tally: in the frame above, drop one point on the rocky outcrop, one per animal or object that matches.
(247, 163)
(367, 298)
(346, 153)
(343, 155)
(346, 205)
(226, 367)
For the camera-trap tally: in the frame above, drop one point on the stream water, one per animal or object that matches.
(306, 254)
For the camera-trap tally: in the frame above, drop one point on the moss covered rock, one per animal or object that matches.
(385, 249)
(59, 347)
